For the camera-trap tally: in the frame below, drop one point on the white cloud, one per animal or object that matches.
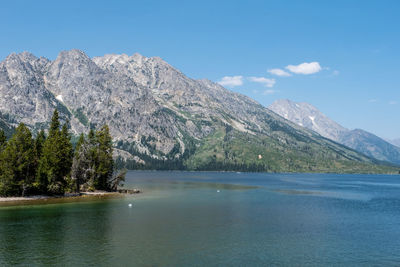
(305, 68)
(265, 81)
(393, 103)
(335, 72)
(279, 72)
(373, 100)
(231, 81)
(269, 92)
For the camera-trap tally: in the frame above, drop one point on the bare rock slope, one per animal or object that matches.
(160, 117)
(310, 117)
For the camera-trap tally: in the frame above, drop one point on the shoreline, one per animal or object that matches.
(66, 198)
(262, 172)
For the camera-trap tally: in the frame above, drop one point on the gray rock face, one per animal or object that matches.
(310, 117)
(24, 95)
(137, 96)
(371, 144)
(150, 107)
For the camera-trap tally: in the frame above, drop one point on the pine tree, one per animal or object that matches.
(105, 163)
(66, 151)
(48, 165)
(93, 164)
(92, 155)
(3, 139)
(17, 169)
(56, 159)
(118, 179)
(79, 163)
(39, 142)
(54, 125)
(49, 162)
(80, 142)
(83, 168)
(92, 137)
(38, 149)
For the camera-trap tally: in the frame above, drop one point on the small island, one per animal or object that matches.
(51, 167)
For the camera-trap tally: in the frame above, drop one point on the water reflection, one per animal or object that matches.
(54, 234)
(182, 219)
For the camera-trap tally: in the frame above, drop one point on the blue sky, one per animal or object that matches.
(353, 46)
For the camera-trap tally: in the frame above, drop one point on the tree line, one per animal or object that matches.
(51, 165)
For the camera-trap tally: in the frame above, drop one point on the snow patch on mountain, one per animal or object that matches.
(310, 117)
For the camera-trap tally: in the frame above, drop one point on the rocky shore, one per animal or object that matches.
(68, 197)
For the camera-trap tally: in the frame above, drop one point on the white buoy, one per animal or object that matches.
(130, 205)
(218, 191)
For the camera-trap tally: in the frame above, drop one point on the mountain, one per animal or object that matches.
(160, 118)
(371, 144)
(310, 117)
(395, 142)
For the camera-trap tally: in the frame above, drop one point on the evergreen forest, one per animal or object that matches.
(51, 165)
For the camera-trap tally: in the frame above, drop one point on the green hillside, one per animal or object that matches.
(229, 149)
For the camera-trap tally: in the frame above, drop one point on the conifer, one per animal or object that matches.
(50, 165)
(39, 142)
(80, 142)
(66, 151)
(56, 159)
(17, 169)
(3, 139)
(105, 163)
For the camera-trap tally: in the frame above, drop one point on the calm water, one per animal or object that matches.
(215, 219)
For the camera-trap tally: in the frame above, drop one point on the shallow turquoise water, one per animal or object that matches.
(215, 219)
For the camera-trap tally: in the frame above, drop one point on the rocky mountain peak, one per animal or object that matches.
(72, 57)
(147, 72)
(22, 57)
(72, 61)
(110, 59)
(71, 70)
(306, 115)
(138, 57)
(154, 111)
(20, 60)
(73, 54)
(22, 70)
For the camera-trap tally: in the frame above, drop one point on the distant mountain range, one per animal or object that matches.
(395, 142)
(310, 117)
(161, 119)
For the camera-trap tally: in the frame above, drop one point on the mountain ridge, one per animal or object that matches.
(395, 142)
(310, 117)
(160, 116)
(314, 119)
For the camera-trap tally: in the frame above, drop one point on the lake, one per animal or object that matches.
(215, 219)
